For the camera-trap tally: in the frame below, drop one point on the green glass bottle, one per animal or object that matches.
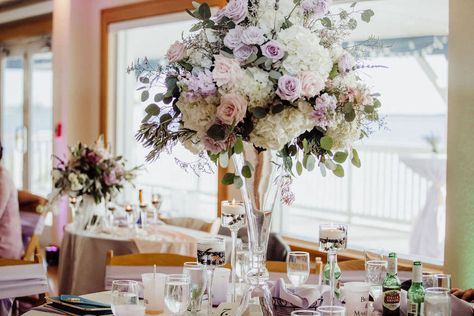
(327, 273)
(416, 293)
(391, 288)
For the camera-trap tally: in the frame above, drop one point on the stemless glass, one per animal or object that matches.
(177, 293)
(242, 262)
(375, 271)
(297, 267)
(437, 302)
(442, 280)
(332, 310)
(125, 299)
(305, 313)
(198, 277)
(427, 278)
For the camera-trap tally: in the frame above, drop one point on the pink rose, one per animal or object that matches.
(243, 52)
(233, 38)
(226, 70)
(232, 109)
(273, 50)
(176, 52)
(253, 36)
(289, 88)
(311, 84)
(214, 146)
(236, 10)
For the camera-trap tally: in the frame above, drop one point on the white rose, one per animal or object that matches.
(311, 84)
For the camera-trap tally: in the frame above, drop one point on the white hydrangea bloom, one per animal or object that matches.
(268, 19)
(345, 81)
(304, 52)
(197, 112)
(198, 58)
(276, 130)
(336, 51)
(256, 86)
(344, 133)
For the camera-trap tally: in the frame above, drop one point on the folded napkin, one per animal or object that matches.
(458, 306)
(303, 296)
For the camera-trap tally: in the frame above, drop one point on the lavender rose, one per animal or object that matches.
(311, 84)
(214, 146)
(346, 63)
(289, 88)
(176, 52)
(232, 109)
(243, 52)
(236, 10)
(110, 178)
(253, 36)
(233, 38)
(226, 70)
(273, 50)
(317, 7)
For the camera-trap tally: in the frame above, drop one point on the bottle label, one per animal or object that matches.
(414, 309)
(391, 299)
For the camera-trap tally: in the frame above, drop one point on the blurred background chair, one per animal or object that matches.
(32, 221)
(193, 223)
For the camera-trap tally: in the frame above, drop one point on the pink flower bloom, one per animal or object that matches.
(233, 38)
(311, 84)
(200, 84)
(93, 156)
(110, 178)
(232, 109)
(236, 10)
(324, 105)
(289, 88)
(176, 52)
(345, 64)
(273, 50)
(243, 52)
(317, 7)
(214, 146)
(226, 70)
(253, 36)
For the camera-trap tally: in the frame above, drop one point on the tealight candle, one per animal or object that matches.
(331, 233)
(232, 207)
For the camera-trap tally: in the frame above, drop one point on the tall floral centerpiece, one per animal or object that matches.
(269, 84)
(92, 175)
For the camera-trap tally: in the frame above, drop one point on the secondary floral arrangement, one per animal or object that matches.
(90, 171)
(272, 73)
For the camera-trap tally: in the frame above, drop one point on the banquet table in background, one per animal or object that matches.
(83, 253)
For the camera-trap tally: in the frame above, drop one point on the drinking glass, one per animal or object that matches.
(427, 278)
(242, 262)
(198, 277)
(143, 213)
(305, 313)
(375, 271)
(332, 239)
(177, 293)
(125, 299)
(156, 202)
(211, 253)
(332, 310)
(297, 267)
(437, 302)
(233, 217)
(442, 280)
(111, 208)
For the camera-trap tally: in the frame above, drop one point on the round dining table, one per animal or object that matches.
(83, 254)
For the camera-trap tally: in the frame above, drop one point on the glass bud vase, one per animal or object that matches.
(259, 193)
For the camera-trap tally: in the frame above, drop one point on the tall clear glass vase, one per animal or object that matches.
(259, 193)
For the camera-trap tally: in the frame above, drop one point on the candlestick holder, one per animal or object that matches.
(156, 202)
(233, 217)
(332, 239)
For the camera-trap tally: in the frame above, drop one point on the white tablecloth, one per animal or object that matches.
(83, 254)
(428, 230)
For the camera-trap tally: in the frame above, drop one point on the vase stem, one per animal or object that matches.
(332, 276)
(233, 233)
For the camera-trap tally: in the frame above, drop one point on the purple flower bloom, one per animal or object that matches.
(317, 7)
(233, 38)
(272, 49)
(253, 36)
(200, 84)
(324, 104)
(345, 64)
(110, 178)
(243, 52)
(289, 88)
(93, 156)
(236, 10)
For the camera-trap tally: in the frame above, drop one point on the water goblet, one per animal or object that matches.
(211, 253)
(332, 239)
(305, 313)
(297, 267)
(442, 280)
(331, 310)
(198, 277)
(437, 302)
(375, 271)
(233, 217)
(177, 293)
(125, 300)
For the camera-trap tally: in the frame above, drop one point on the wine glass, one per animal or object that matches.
(375, 271)
(111, 208)
(177, 293)
(331, 310)
(437, 302)
(198, 277)
(332, 239)
(125, 299)
(211, 253)
(233, 217)
(297, 267)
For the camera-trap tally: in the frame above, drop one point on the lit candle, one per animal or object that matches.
(128, 208)
(233, 208)
(331, 233)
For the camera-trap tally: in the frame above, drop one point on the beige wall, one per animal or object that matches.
(459, 253)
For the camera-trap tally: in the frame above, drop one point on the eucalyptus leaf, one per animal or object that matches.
(309, 162)
(352, 24)
(167, 100)
(259, 112)
(165, 118)
(145, 95)
(339, 171)
(348, 107)
(204, 11)
(326, 22)
(350, 116)
(228, 178)
(217, 132)
(274, 74)
(159, 97)
(299, 168)
(246, 172)
(238, 146)
(195, 27)
(326, 142)
(334, 72)
(330, 164)
(146, 118)
(322, 169)
(367, 15)
(152, 109)
(355, 158)
(144, 80)
(340, 156)
(238, 182)
(368, 109)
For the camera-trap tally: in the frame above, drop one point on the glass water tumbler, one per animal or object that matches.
(437, 302)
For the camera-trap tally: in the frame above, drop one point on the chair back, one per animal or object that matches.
(22, 278)
(131, 267)
(33, 246)
(194, 223)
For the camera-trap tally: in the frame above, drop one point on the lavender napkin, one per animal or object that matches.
(458, 306)
(303, 296)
